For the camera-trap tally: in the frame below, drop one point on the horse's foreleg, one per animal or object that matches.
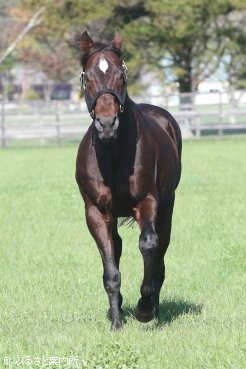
(117, 252)
(145, 215)
(101, 227)
(163, 229)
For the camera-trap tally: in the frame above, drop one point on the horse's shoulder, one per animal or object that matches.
(84, 167)
(160, 118)
(160, 115)
(85, 146)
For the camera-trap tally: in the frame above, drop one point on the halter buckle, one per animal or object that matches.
(82, 79)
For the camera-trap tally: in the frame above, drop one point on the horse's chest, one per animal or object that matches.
(121, 190)
(116, 185)
(127, 192)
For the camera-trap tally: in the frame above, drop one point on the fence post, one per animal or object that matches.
(3, 138)
(198, 128)
(220, 114)
(166, 101)
(58, 133)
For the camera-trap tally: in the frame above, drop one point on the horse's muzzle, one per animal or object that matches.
(107, 127)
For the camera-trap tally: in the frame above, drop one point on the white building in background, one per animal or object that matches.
(210, 85)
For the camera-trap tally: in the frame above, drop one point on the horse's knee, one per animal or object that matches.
(148, 242)
(112, 281)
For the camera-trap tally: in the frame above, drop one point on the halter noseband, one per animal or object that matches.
(91, 102)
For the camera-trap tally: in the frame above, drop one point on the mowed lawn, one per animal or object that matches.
(52, 301)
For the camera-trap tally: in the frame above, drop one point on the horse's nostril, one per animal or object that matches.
(101, 124)
(113, 123)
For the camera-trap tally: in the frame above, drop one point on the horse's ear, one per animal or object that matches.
(85, 42)
(117, 41)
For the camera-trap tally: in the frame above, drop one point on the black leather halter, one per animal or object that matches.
(91, 102)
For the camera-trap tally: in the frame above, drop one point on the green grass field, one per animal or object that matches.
(52, 302)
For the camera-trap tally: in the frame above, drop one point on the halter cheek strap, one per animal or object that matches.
(91, 102)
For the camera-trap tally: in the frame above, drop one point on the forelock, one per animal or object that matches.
(97, 47)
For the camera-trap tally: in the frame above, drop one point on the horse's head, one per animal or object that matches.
(104, 81)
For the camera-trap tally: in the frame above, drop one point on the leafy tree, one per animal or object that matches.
(234, 32)
(186, 38)
(7, 28)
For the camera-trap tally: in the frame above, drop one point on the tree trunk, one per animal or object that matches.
(185, 83)
(185, 89)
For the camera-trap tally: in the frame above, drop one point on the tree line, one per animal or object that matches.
(184, 41)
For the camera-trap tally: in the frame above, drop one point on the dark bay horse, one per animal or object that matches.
(128, 165)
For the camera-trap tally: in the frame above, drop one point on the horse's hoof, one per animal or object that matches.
(144, 316)
(116, 326)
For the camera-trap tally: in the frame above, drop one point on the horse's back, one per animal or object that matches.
(163, 119)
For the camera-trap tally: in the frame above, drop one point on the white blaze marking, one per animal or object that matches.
(103, 65)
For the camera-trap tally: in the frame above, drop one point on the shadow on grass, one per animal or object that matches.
(169, 311)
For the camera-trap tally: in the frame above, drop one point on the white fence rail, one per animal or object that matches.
(56, 122)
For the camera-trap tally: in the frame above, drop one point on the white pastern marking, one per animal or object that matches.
(103, 65)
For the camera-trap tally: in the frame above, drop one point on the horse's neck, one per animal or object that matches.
(129, 121)
(124, 147)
